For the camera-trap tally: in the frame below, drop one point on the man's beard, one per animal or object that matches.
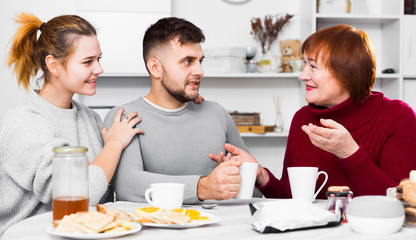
(177, 93)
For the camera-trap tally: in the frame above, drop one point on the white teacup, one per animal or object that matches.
(165, 195)
(303, 182)
(248, 173)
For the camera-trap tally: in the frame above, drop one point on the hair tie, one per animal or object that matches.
(41, 26)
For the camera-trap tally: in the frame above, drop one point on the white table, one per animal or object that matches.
(234, 224)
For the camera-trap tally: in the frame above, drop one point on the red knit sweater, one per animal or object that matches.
(384, 129)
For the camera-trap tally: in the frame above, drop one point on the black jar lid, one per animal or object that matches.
(339, 194)
(336, 191)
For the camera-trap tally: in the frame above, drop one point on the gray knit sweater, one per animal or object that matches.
(28, 135)
(174, 147)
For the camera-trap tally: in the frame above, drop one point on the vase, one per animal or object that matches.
(267, 62)
(279, 118)
(279, 122)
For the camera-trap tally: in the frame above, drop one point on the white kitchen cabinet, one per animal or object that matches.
(120, 29)
(409, 60)
(383, 24)
(409, 92)
(409, 46)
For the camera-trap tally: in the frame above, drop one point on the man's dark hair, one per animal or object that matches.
(166, 29)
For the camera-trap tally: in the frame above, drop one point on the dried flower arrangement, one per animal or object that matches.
(268, 31)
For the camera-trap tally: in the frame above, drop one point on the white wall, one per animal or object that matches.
(11, 94)
(228, 25)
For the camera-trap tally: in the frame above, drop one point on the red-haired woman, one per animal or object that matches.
(360, 138)
(68, 54)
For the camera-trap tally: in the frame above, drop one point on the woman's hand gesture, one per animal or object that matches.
(332, 137)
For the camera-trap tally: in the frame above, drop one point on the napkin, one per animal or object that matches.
(290, 214)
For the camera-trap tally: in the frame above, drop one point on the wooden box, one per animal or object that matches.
(255, 129)
(246, 119)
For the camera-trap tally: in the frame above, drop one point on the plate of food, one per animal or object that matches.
(106, 222)
(52, 230)
(176, 218)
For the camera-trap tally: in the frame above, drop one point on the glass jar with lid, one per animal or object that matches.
(338, 199)
(69, 181)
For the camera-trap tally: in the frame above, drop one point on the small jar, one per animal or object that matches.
(338, 199)
(69, 181)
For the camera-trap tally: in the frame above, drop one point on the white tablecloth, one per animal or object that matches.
(234, 223)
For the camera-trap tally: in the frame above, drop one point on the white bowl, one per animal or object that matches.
(375, 215)
(375, 226)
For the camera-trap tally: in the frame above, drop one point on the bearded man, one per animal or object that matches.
(180, 130)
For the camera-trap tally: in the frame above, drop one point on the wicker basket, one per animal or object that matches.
(246, 119)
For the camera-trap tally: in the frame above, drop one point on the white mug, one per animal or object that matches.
(248, 173)
(165, 195)
(303, 180)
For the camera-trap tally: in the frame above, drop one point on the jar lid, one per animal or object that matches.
(338, 191)
(339, 194)
(68, 149)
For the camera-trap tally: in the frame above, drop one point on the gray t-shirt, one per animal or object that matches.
(174, 147)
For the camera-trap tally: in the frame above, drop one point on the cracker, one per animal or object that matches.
(126, 224)
(162, 216)
(92, 222)
(96, 221)
(116, 213)
(69, 223)
(116, 229)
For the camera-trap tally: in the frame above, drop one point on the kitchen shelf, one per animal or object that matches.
(124, 74)
(251, 75)
(388, 75)
(215, 75)
(236, 75)
(357, 18)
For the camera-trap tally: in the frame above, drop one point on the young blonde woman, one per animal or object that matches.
(68, 53)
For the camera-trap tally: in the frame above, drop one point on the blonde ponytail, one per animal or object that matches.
(57, 39)
(22, 52)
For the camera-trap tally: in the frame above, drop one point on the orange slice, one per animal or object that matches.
(192, 213)
(199, 218)
(178, 210)
(149, 209)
